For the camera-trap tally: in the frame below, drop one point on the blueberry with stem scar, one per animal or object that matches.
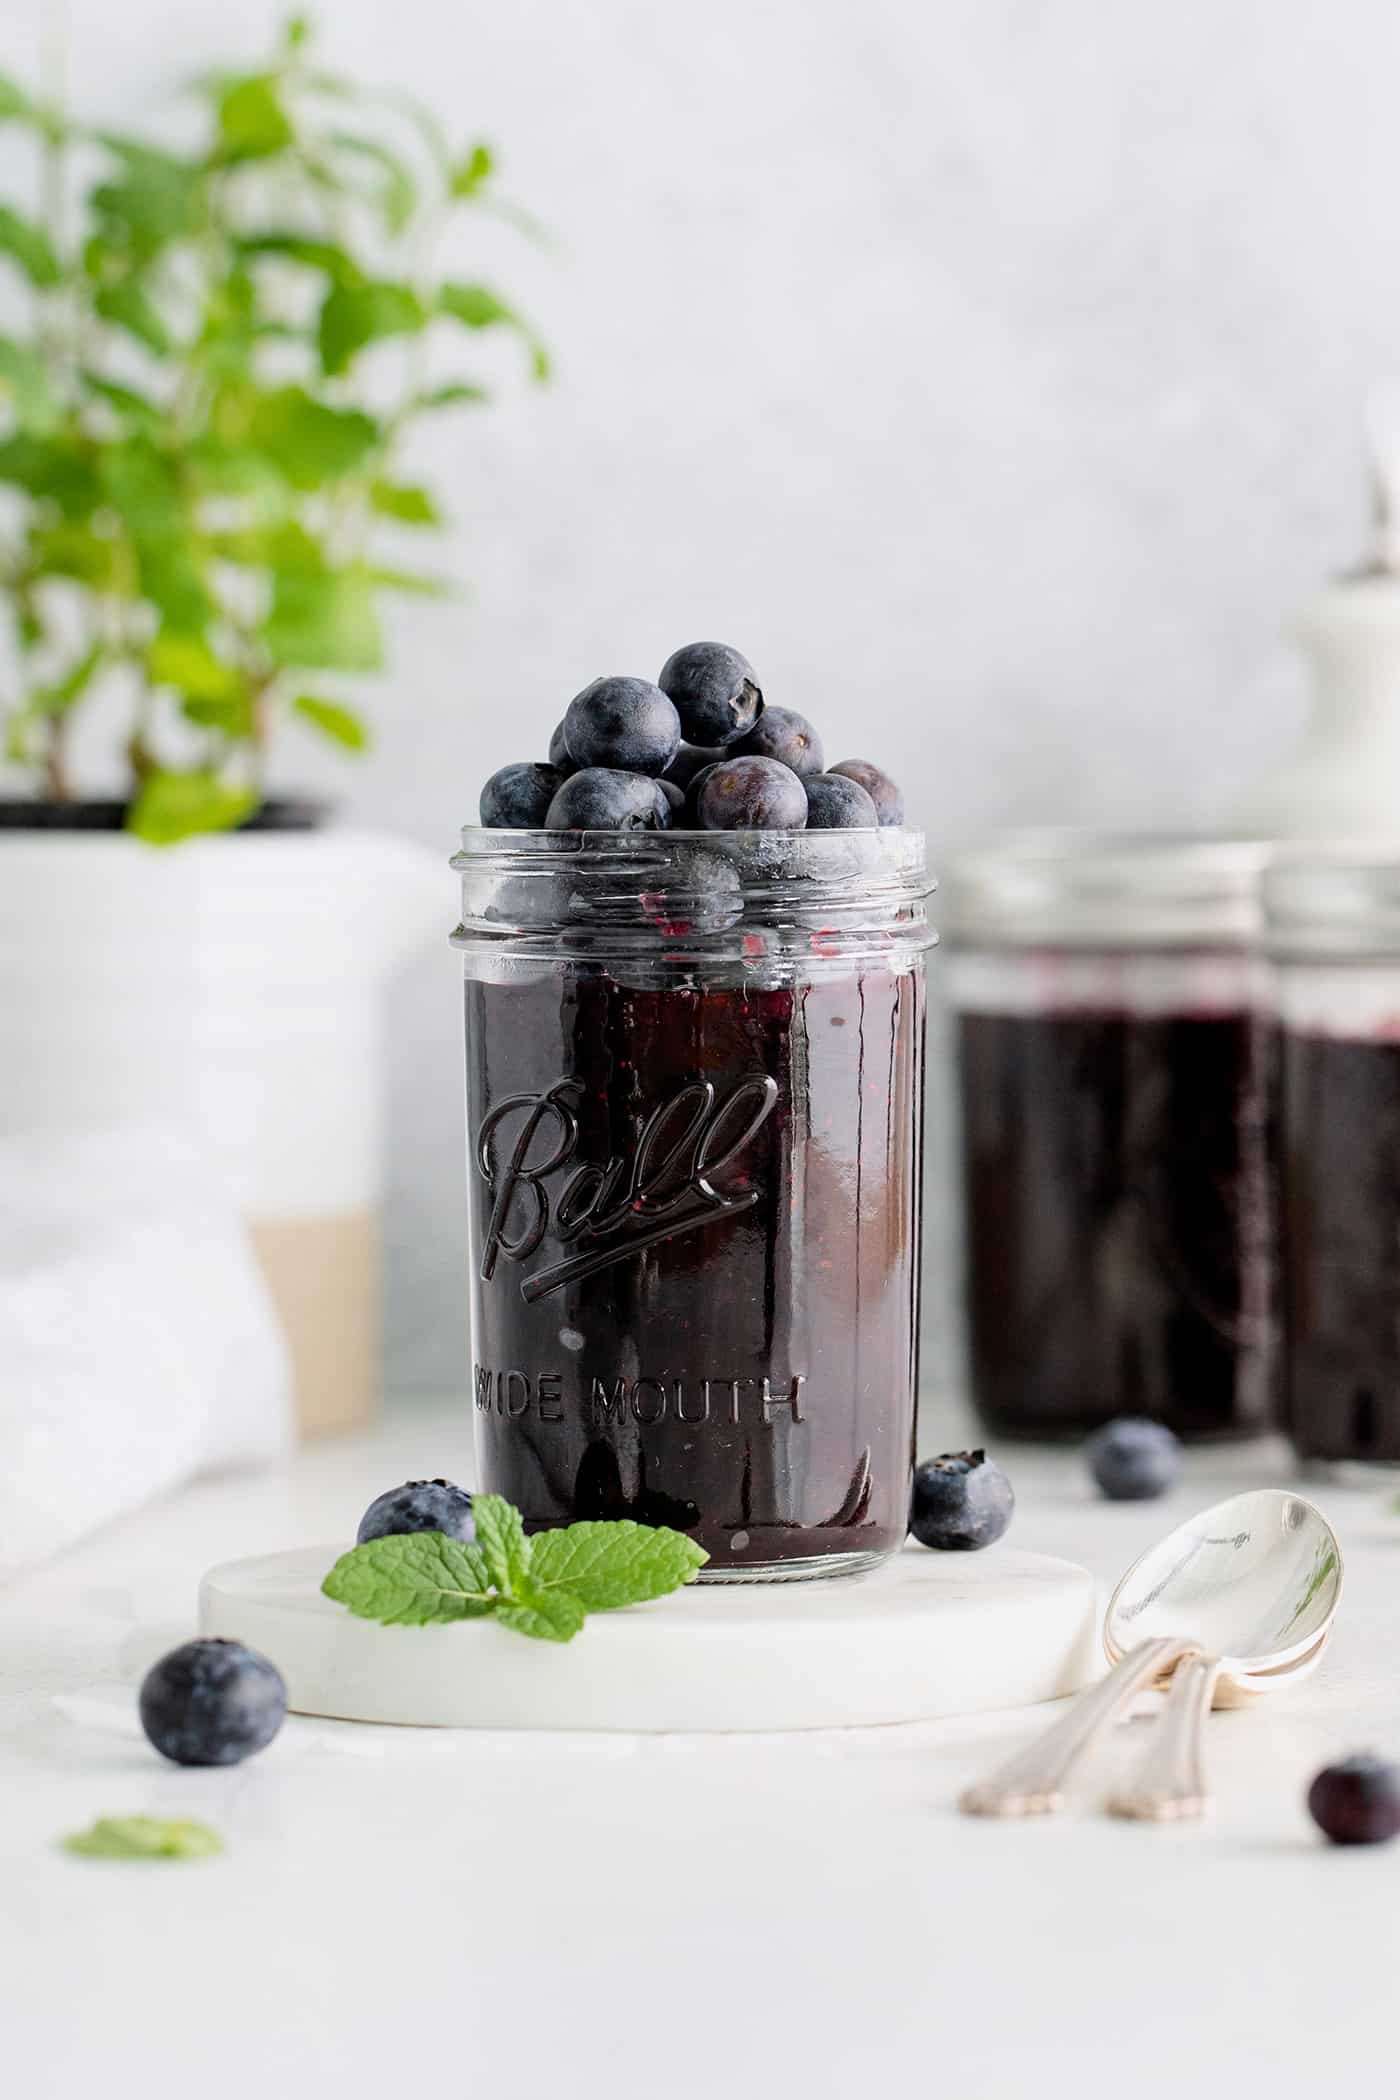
(600, 798)
(837, 804)
(715, 692)
(784, 734)
(752, 794)
(517, 798)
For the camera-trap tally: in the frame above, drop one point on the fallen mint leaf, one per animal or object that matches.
(608, 1565)
(546, 1615)
(144, 1837)
(419, 1578)
(501, 1536)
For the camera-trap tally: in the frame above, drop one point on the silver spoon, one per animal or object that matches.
(1251, 1584)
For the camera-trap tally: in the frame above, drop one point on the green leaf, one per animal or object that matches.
(471, 173)
(404, 502)
(141, 483)
(341, 724)
(324, 621)
(85, 556)
(15, 105)
(396, 193)
(355, 315)
(56, 699)
(607, 1565)
(157, 198)
(410, 581)
(475, 306)
(235, 717)
(175, 806)
(128, 307)
(327, 256)
(545, 1615)
(500, 1534)
(458, 393)
(171, 575)
(29, 246)
(191, 666)
(24, 385)
(144, 1837)
(297, 34)
(252, 122)
(57, 467)
(310, 443)
(419, 1578)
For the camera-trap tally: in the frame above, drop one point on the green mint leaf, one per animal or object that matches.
(405, 502)
(605, 1566)
(144, 1837)
(419, 1578)
(501, 1536)
(355, 315)
(324, 622)
(126, 306)
(252, 120)
(476, 168)
(544, 1615)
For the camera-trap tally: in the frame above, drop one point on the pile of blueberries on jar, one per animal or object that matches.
(697, 751)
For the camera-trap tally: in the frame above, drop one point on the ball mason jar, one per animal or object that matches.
(695, 1118)
(1332, 930)
(1114, 1053)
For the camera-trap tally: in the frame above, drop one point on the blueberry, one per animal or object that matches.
(752, 794)
(675, 795)
(835, 803)
(691, 759)
(693, 793)
(212, 1702)
(960, 1502)
(1133, 1460)
(715, 691)
(518, 797)
(600, 798)
(419, 1505)
(623, 723)
(559, 757)
(784, 734)
(1357, 1802)
(888, 800)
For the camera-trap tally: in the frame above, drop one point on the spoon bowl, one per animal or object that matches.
(1254, 1581)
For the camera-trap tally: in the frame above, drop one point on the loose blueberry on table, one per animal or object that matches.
(1357, 1801)
(960, 1502)
(1134, 1460)
(698, 750)
(212, 1702)
(419, 1505)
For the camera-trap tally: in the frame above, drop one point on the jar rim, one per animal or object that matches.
(1340, 897)
(1072, 888)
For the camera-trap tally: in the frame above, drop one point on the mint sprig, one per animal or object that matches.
(144, 1837)
(543, 1587)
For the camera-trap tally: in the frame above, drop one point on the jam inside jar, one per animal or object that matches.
(694, 1105)
(1116, 1062)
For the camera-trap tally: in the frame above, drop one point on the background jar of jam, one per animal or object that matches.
(1332, 929)
(1115, 1058)
(694, 1115)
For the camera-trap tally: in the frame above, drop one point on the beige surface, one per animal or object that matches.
(324, 1276)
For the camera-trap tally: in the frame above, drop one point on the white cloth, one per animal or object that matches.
(138, 1343)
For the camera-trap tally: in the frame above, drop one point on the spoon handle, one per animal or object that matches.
(1032, 1782)
(1170, 1783)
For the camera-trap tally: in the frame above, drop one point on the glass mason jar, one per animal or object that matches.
(695, 1115)
(1332, 930)
(1114, 1056)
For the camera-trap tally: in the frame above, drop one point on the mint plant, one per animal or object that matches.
(202, 425)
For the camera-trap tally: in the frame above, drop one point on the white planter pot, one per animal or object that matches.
(232, 986)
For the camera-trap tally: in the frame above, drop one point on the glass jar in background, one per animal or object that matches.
(1332, 929)
(1115, 1056)
(695, 1111)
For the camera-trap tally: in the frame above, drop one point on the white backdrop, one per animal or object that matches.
(987, 370)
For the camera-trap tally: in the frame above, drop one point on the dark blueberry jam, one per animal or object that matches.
(695, 1218)
(1120, 1223)
(1341, 1194)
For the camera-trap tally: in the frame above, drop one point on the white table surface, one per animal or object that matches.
(506, 1917)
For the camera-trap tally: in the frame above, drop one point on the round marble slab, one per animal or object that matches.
(926, 1635)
